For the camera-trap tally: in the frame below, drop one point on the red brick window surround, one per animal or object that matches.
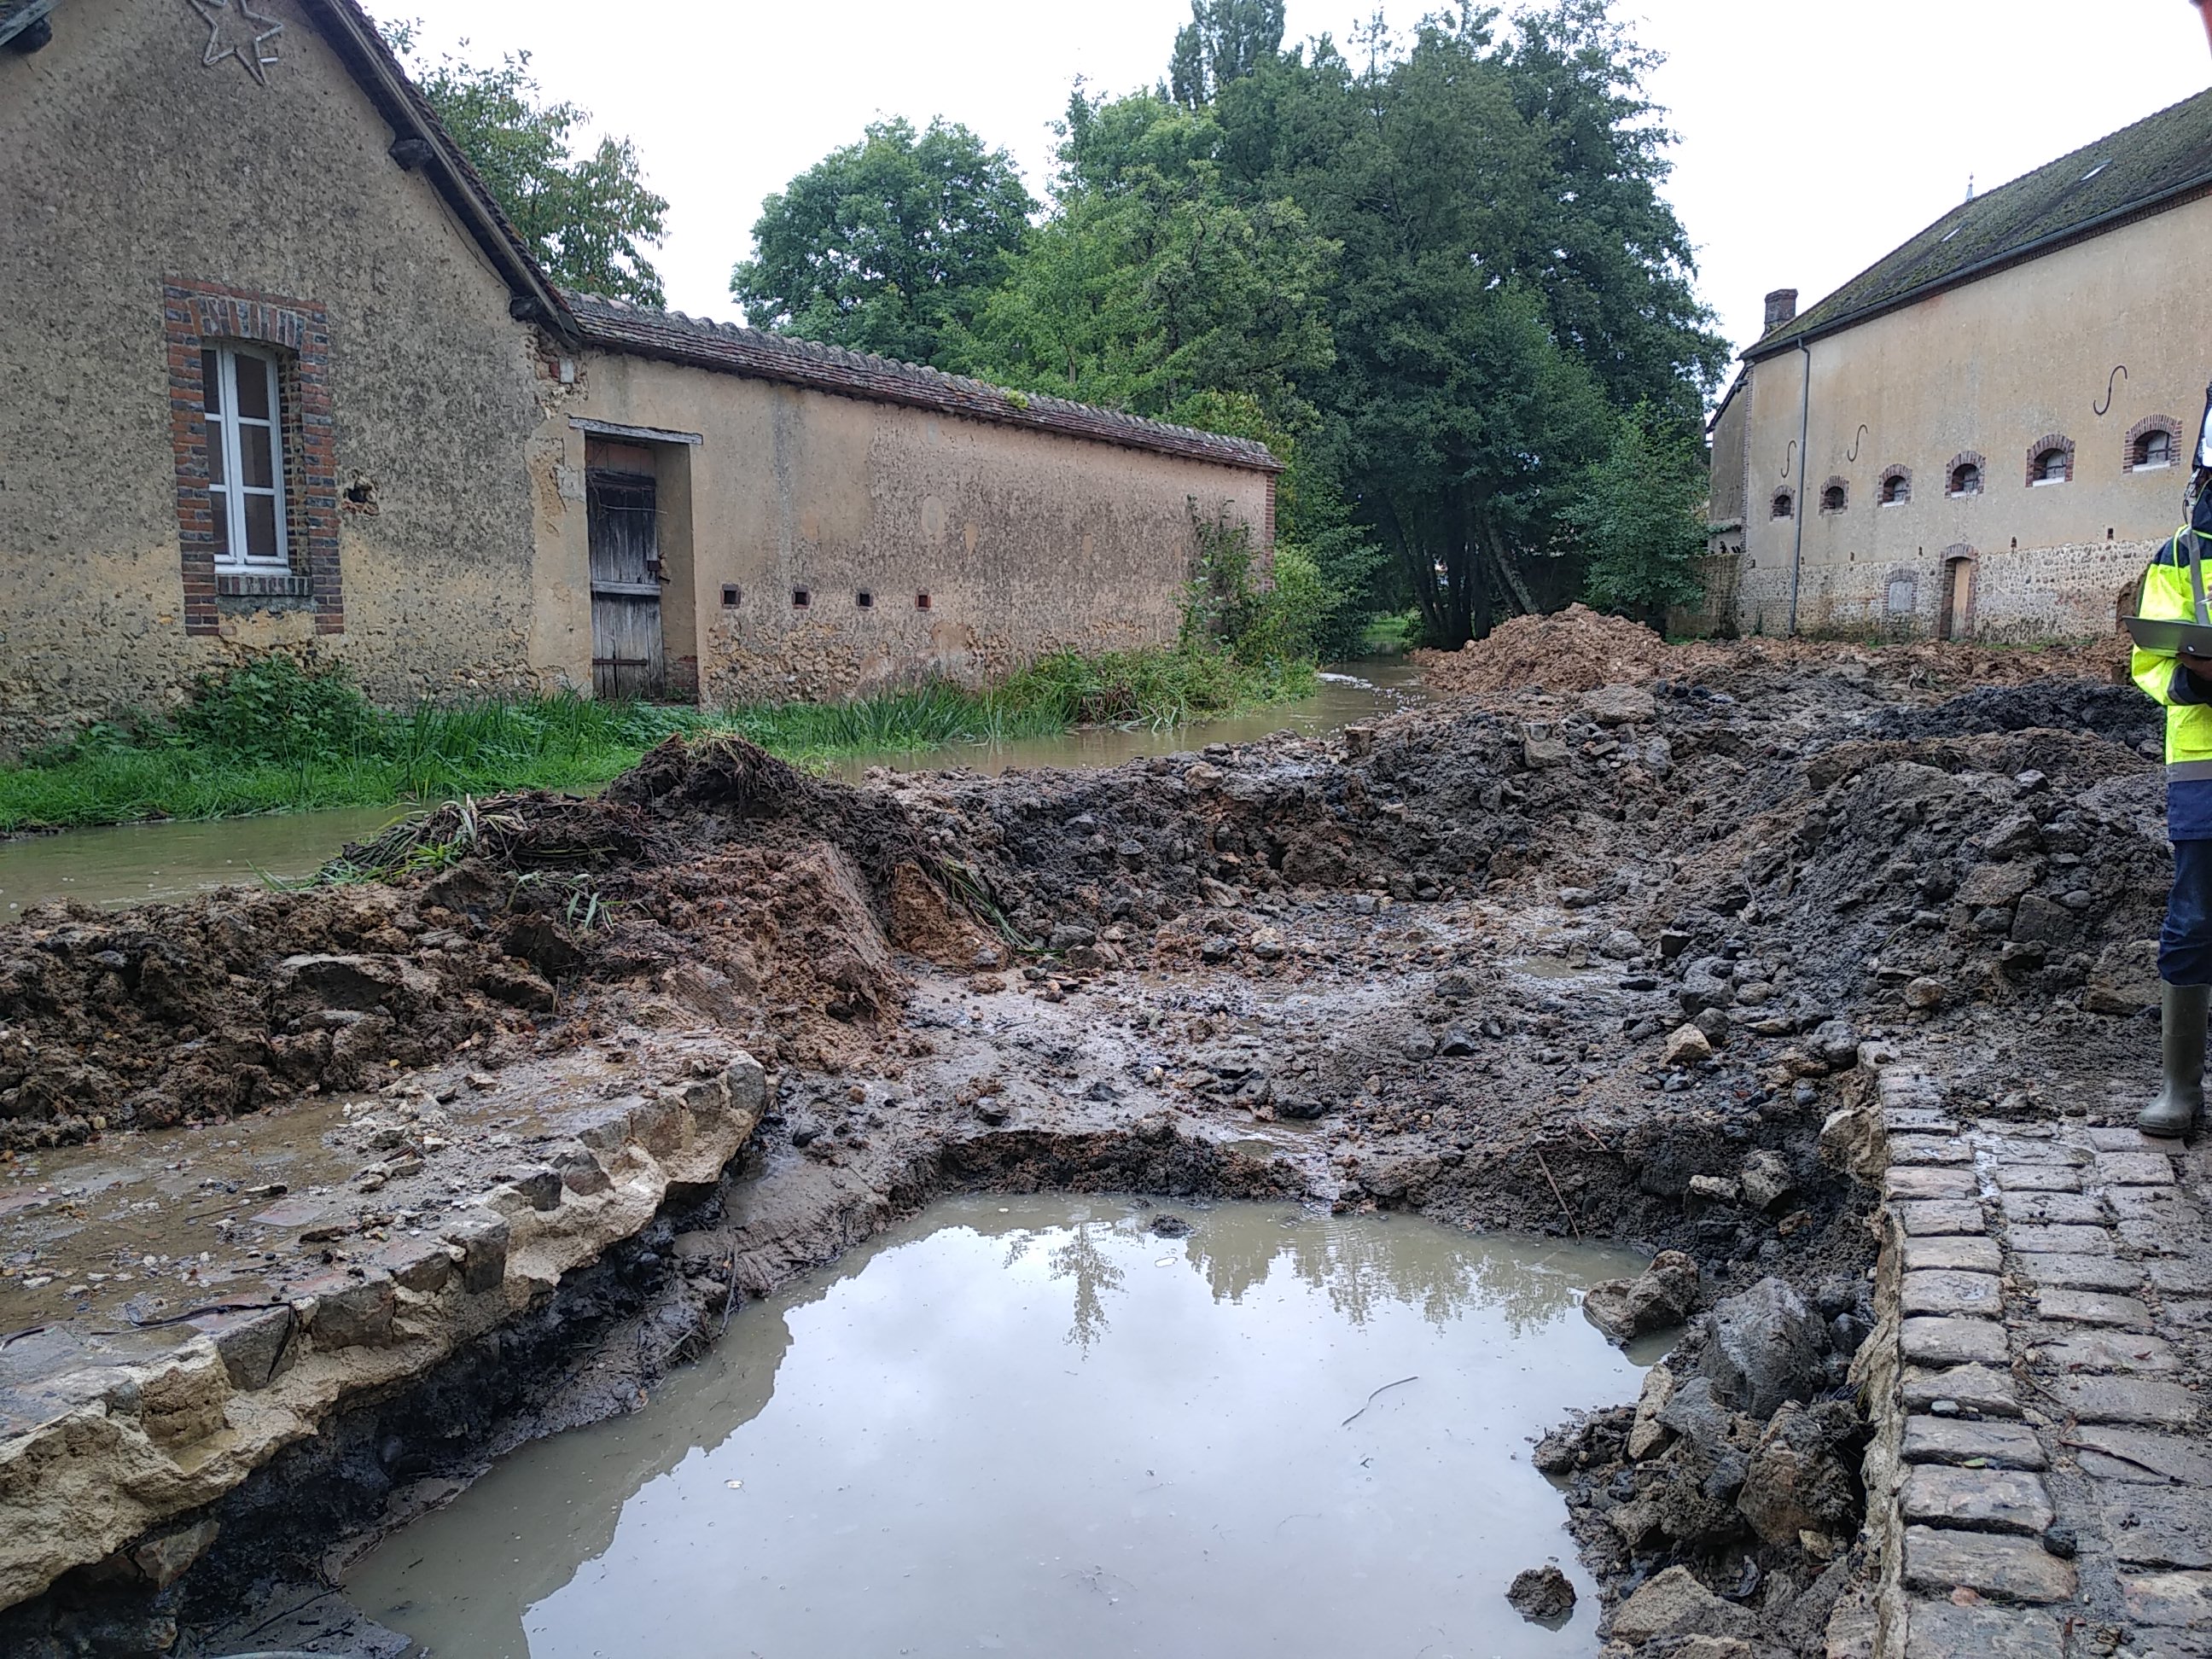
(1896, 486)
(1965, 475)
(197, 316)
(2143, 448)
(2051, 459)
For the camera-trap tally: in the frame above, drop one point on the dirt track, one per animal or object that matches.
(1600, 959)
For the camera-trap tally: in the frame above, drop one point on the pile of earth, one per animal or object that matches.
(1579, 649)
(713, 881)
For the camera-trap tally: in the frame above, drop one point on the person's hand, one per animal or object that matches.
(2200, 667)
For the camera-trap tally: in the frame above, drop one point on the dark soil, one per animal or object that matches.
(1449, 967)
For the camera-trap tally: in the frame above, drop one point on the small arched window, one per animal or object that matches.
(1784, 504)
(2050, 461)
(1966, 479)
(1896, 487)
(1835, 498)
(2155, 448)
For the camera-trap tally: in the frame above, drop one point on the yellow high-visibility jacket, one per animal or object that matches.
(2174, 588)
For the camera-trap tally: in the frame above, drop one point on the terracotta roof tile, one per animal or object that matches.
(619, 325)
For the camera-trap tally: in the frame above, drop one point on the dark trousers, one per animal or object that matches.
(2185, 943)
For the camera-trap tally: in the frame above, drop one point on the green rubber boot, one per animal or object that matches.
(2182, 1013)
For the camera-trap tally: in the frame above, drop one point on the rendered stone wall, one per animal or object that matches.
(130, 163)
(1024, 542)
(1996, 370)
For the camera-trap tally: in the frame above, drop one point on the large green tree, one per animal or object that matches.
(1640, 517)
(1223, 41)
(589, 218)
(890, 244)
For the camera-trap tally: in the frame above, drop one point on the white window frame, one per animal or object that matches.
(228, 498)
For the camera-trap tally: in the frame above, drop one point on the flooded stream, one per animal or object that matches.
(134, 863)
(1032, 1425)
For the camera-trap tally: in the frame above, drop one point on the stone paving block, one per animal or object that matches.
(2135, 1169)
(2054, 1209)
(1940, 1215)
(2029, 1149)
(1955, 1440)
(2184, 1275)
(2078, 1273)
(2039, 1178)
(1929, 1149)
(2122, 1139)
(2185, 1314)
(2160, 1238)
(1939, 1630)
(1905, 1120)
(2148, 1400)
(2164, 1204)
(2131, 1351)
(2060, 1241)
(2014, 1569)
(1980, 1500)
(1980, 1389)
(2169, 1599)
(1954, 1342)
(1924, 1181)
(2094, 1308)
(2110, 1452)
(2157, 1526)
(1959, 1255)
(1937, 1292)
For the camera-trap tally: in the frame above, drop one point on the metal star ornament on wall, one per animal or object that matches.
(236, 30)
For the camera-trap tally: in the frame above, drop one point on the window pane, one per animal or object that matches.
(253, 458)
(210, 383)
(253, 388)
(215, 474)
(219, 509)
(261, 528)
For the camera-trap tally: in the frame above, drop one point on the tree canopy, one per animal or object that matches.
(588, 219)
(890, 244)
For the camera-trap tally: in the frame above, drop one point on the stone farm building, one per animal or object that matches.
(1986, 434)
(277, 372)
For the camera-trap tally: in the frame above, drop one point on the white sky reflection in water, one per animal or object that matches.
(1028, 1425)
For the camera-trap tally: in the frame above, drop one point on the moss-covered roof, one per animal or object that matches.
(2157, 162)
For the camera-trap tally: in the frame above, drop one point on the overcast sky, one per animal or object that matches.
(1814, 137)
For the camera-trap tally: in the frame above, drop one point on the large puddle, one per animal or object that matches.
(1031, 1426)
(132, 864)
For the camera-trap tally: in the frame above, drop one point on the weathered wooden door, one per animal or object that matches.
(626, 660)
(1959, 598)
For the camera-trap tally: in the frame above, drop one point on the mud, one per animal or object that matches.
(1599, 961)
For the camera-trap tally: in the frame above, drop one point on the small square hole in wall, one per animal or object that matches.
(731, 595)
(921, 601)
(865, 600)
(800, 598)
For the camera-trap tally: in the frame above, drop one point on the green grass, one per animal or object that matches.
(271, 737)
(1391, 634)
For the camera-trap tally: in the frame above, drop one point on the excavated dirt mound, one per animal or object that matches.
(1579, 649)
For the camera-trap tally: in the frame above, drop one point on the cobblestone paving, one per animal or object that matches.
(2056, 1298)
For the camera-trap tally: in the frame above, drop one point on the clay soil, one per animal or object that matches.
(1445, 964)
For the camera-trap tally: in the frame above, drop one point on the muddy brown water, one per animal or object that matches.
(1031, 1425)
(138, 863)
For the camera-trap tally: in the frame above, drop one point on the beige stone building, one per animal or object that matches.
(276, 374)
(1986, 434)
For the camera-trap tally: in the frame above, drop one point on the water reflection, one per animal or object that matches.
(902, 1455)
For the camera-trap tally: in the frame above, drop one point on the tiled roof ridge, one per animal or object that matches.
(625, 325)
(2150, 164)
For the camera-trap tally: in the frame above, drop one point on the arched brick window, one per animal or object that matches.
(1784, 504)
(1964, 475)
(1835, 497)
(2051, 459)
(2152, 444)
(1896, 486)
